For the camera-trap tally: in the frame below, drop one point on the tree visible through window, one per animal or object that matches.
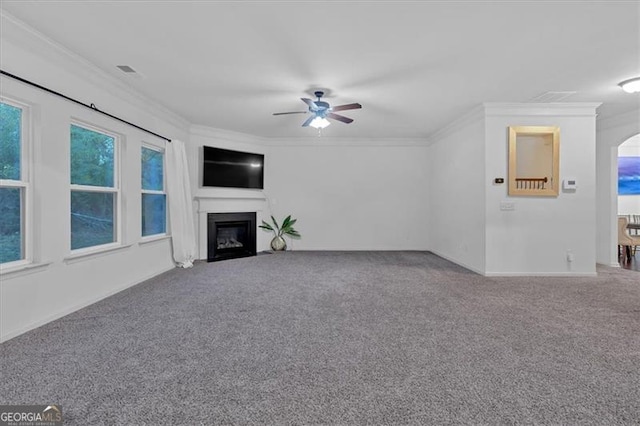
(153, 196)
(93, 188)
(14, 186)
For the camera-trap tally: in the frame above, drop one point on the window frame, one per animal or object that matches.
(143, 191)
(116, 189)
(24, 184)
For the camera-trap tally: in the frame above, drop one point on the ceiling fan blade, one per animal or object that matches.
(347, 106)
(293, 112)
(311, 104)
(309, 120)
(340, 118)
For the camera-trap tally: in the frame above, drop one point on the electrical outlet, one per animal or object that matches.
(507, 206)
(570, 256)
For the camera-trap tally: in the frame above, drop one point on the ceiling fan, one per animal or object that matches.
(321, 111)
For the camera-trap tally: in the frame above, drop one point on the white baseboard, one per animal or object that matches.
(517, 274)
(541, 274)
(471, 268)
(77, 307)
(611, 265)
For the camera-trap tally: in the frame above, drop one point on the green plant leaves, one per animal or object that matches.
(293, 233)
(279, 230)
(266, 226)
(275, 222)
(286, 221)
(287, 227)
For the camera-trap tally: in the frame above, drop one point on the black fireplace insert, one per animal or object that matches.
(230, 235)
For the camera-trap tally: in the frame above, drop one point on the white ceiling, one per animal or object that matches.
(414, 66)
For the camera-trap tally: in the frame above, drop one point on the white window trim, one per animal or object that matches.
(94, 252)
(91, 188)
(8, 270)
(26, 160)
(153, 237)
(26, 224)
(118, 243)
(153, 191)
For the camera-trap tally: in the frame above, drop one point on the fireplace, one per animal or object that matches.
(230, 235)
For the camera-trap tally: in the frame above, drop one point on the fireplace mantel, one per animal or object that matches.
(230, 194)
(228, 200)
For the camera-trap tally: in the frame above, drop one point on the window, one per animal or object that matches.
(154, 199)
(94, 188)
(14, 185)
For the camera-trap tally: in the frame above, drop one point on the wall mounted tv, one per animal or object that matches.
(232, 169)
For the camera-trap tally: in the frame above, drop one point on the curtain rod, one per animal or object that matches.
(91, 107)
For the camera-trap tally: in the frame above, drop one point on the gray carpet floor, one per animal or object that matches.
(340, 338)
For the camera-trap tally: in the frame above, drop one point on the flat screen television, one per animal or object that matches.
(232, 169)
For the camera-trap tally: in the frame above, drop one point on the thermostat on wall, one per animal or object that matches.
(569, 183)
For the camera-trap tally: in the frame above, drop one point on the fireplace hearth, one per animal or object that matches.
(230, 235)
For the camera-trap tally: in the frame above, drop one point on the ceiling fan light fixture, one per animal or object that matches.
(319, 122)
(321, 111)
(631, 86)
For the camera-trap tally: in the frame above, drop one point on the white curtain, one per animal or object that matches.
(183, 234)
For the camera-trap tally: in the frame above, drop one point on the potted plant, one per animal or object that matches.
(278, 242)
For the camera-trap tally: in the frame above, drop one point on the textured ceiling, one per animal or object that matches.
(414, 66)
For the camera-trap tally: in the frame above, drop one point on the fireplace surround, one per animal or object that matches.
(231, 235)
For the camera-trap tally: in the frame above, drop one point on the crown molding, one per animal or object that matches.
(230, 136)
(575, 109)
(496, 109)
(344, 142)
(226, 135)
(33, 41)
(475, 114)
(629, 118)
(28, 38)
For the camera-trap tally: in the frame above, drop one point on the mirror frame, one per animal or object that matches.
(553, 189)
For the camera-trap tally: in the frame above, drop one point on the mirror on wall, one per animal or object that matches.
(534, 161)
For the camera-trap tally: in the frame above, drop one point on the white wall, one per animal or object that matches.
(610, 134)
(456, 183)
(629, 204)
(534, 238)
(467, 224)
(346, 194)
(351, 195)
(225, 200)
(60, 284)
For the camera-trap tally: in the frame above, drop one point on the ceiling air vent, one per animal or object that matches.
(127, 69)
(130, 72)
(552, 97)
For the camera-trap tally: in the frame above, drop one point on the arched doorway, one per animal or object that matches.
(629, 189)
(609, 136)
